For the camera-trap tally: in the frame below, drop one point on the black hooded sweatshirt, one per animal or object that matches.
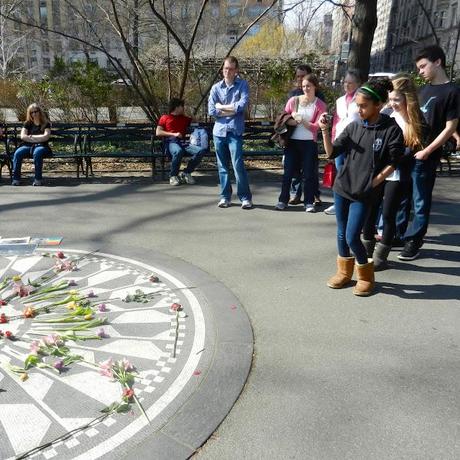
(368, 149)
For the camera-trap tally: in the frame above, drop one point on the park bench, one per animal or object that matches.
(256, 144)
(122, 140)
(65, 144)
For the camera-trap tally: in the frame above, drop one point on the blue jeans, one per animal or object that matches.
(350, 216)
(37, 152)
(306, 154)
(423, 178)
(177, 151)
(230, 148)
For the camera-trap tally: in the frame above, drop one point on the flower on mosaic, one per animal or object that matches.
(65, 265)
(91, 294)
(106, 368)
(21, 290)
(58, 365)
(3, 318)
(16, 278)
(102, 334)
(24, 376)
(102, 307)
(9, 335)
(176, 307)
(126, 365)
(197, 373)
(128, 394)
(35, 347)
(60, 255)
(53, 339)
(72, 283)
(72, 305)
(29, 312)
(3, 302)
(88, 317)
(154, 279)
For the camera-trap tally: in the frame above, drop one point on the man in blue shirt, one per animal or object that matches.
(227, 103)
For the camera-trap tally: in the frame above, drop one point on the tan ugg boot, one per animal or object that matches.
(345, 266)
(366, 280)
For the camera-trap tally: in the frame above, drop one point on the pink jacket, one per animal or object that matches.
(320, 108)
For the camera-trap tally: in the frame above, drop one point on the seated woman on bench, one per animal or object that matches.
(34, 136)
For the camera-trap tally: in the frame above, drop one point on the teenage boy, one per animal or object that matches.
(172, 127)
(440, 103)
(227, 103)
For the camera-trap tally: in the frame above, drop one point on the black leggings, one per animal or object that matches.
(393, 191)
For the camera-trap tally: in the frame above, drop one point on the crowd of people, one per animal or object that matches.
(386, 142)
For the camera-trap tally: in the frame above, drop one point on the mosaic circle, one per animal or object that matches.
(143, 321)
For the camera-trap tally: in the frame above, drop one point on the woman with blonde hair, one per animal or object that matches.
(407, 114)
(34, 136)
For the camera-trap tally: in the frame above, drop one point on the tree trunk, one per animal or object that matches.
(364, 22)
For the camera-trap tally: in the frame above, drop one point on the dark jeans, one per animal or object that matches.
(38, 152)
(423, 179)
(390, 192)
(350, 217)
(177, 151)
(304, 153)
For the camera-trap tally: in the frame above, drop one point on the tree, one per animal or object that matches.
(132, 23)
(364, 22)
(10, 40)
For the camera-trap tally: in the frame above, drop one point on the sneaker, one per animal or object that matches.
(37, 183)
(410, 251)
(187, 178)
(15, 182)
(224, 203)
(281, 206)
(330, 211)
(174, 180)
(246, 204)
(295, 200)
(310, 208)
(318, 201)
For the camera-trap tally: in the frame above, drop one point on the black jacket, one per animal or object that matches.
(368, 149)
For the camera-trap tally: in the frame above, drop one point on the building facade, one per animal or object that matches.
(404, 29)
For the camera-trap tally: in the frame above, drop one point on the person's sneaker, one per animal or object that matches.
(37, 183)
(224, 203)
(280, 206)
(187, 178)
(310, 208)
(174, 180)
(246, 204)
(318, 201)
(410, 251)
(330, 211)
(15, 182)
(295, 200)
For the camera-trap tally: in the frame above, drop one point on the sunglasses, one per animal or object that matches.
(34, 111)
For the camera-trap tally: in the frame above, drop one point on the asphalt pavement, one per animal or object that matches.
(333, 376)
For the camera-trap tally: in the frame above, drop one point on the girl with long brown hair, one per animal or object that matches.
(34, 136)
(406, 112)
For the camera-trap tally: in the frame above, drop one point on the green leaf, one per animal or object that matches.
(124, 407)
(30, 361)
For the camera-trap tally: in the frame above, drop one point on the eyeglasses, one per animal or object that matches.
(34, 111)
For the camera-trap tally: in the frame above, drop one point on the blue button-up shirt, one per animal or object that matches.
(236, 94)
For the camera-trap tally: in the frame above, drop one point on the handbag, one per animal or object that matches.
(329, 175)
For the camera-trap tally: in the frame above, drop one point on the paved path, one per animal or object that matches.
(333, 376)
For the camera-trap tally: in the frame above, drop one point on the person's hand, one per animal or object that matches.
(219, 106)
(323, 122)
(375, 182)
(421, 155)
(178, 135)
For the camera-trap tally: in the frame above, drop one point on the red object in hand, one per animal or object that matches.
(329, 175)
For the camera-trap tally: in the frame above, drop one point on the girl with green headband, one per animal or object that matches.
(373, 147)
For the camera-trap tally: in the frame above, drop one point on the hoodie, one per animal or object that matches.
(368, 149)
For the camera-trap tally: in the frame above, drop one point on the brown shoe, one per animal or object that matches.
(345, 266)
(295, 200)
(366, 280)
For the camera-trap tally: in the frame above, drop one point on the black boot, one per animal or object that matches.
(369, 245)
(380, 257)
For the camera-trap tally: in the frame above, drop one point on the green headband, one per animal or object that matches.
(371, 91)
